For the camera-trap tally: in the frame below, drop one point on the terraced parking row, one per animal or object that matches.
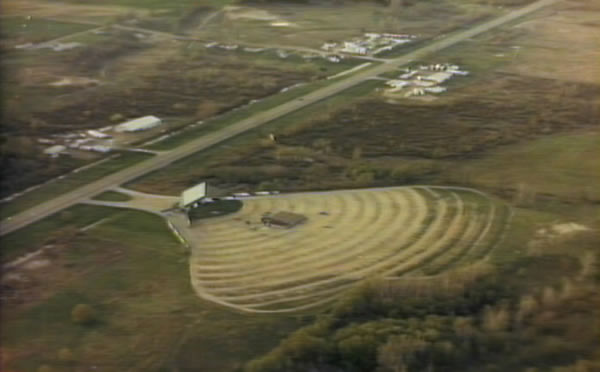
(349, 236)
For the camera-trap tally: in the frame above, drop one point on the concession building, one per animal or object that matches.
(283, 219)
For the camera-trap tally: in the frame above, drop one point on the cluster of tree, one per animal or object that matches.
(452, 129)
(408, 172)
(93, 57)
(83, 314)
(246, 175)
(486, 327)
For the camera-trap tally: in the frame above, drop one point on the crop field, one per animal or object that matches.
(349, 236)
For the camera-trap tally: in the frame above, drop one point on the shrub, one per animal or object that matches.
(413, 171)
(65, 355)
(365, 179)
(83, 314)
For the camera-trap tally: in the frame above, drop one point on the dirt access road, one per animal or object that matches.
(85, 192)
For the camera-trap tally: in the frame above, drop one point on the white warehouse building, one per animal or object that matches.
(143, 123)
(438, 77)
(55, 150)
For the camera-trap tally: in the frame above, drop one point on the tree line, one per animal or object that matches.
(483, 324)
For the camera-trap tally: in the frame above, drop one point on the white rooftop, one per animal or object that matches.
(54, 150)
(436, 89)
(438, 77)
(143, 123)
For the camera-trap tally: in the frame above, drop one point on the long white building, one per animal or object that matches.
(135, 125)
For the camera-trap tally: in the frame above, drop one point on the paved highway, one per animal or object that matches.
(85, 192)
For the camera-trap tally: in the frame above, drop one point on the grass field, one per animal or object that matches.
(20, 30)
(70, 181)
(563, 165)
(132, 271)
(238, 262)
(33, 237)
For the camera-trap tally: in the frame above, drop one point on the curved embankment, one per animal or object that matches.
(349, 236)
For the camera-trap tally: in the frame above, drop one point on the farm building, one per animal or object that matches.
(351, 47)
(139, 124)
(96, 148)
(397, 83)
(437, 89)
(283, 219)
(97, 134)
(54, 151)
(438, 77)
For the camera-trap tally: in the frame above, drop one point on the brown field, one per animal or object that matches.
(135, 79)
(65, 10)
(562, 43)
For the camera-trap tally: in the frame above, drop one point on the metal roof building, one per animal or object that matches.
(55, 150)
(438, 77)
(143, 123)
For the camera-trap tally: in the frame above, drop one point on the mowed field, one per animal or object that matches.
(349, 236)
